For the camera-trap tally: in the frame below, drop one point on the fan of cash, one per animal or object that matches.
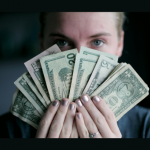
(53, 75)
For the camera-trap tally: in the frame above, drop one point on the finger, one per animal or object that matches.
(89, 123)
(74, 133)
(46, 120)
(58, 120)
(68, 123)
(107, 113)
(97, 117)
(82, 130)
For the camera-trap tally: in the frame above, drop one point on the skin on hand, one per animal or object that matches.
(96, 30)
(97, 117)
(58, 120)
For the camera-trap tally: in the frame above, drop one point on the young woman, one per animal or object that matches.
(99, 31)
(85, 117)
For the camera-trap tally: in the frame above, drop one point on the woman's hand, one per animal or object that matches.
(95, 117)
(58, 120)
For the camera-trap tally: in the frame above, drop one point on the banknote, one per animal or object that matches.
(35, 70)
(123, 91)
(58, 69)
(118, 68)
(34, 88)
(30, 95)
(22, 108)
(83, 69)
(103, 68)
(91, 52)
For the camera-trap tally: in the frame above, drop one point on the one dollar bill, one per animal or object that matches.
(32, 85)
(22, 108)
(23, 86)
(123, 91)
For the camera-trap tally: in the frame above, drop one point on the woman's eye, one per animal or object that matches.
(98, 42)
(62, 43)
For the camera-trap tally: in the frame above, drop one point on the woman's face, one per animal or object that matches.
(94, 30)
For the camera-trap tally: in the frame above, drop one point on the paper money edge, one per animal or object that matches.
(115, 71)
(95, 70)
(115, 57)
(109, 81)
(25, 94)
(19, 116)
(32, 60)
(37, 57)
(131, 106)
(120, 71)
(112, 74)
(42, 61)
(146, 86)
(74, 77)
(34, 90)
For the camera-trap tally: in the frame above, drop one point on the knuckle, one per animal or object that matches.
(50, 111)
(85, 134)
(101, 120)
(55, 127)
(61, 112)
(43, 122)
(66, 130)
(110, 116)
(90, 125)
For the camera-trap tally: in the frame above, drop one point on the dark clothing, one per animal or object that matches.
(134, 124)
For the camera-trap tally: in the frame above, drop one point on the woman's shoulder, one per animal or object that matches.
(138, 108)
(135, 123)
(137, 112)
(13, 127)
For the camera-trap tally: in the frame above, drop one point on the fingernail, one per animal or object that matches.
(64, 102)
(55, 103)
(79, 103)
(71, 106)
(85, 98)
(96, 98)
(79, 115)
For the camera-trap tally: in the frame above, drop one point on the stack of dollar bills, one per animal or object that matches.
(53, 75)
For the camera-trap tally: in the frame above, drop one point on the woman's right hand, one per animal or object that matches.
(58, 121)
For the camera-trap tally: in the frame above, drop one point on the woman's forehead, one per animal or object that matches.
(81, 21)
(83, 17)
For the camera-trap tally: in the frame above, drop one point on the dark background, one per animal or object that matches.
(19, 42)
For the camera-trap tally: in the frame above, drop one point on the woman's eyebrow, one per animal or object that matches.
(101, 34)
(58, 34)
(96, 35)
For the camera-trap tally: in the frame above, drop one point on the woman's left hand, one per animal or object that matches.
(94, 116)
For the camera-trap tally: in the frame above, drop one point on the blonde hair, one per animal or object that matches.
(120, 19)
